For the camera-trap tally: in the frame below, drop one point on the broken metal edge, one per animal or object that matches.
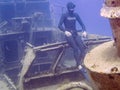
(50, 75)
(9, 82)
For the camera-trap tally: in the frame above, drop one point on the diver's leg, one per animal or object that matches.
(77, 52)
(82, 47)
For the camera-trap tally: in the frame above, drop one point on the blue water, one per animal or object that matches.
(89, 11)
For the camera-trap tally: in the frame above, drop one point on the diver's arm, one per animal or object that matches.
(60, 26)
(80, 22)
(84, 34)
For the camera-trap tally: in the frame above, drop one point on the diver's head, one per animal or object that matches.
(70, 7)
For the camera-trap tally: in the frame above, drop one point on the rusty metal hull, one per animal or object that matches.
(103, 68)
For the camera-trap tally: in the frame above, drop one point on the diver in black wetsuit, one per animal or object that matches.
(69, 20)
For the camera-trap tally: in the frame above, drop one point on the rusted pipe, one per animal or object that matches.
(112, 3)
(111, 10)
(103, 62)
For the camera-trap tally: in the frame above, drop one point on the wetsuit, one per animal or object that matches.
(69, 20)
